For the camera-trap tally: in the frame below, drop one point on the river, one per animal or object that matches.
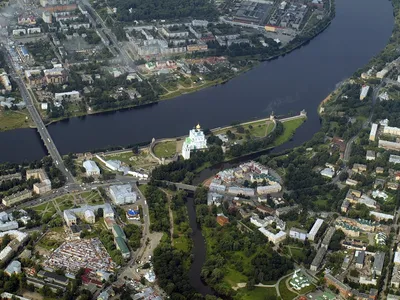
(299, 80)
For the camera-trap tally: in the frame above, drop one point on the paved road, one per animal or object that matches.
(44, 134)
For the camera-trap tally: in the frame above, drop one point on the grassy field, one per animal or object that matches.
(125, 157)
(45, 209)
(289, 129)
(65, 202)
(142, 160)
(92, 197)
(286, 294)
(258, 129)
(258, 293)
(10, 119)
(166, 149)
(182, 243)
(233, 277)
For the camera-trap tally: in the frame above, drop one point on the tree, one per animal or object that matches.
(343, 176)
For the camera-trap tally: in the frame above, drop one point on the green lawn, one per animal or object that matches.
(143, 188)
(260, 129)
(258, 293)
(65, 202)
(307, 290)
(10, 119)
(92, 197)
(45, 209)
(165, 149)
(297, 253)
(233, 277)
(289, 129)
(125, 157)
(286, 294)
(182, 243)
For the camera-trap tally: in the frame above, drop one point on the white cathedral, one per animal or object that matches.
(196, 141)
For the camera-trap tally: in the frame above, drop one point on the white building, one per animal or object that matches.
(395, 159)
(216, 187)
(314, 230)
(372, 134)
(364, 92)
(298, 234)
(370, 155)
(68, 96)
(391, 130)
(122, 194)
(274, 238)
(382, 73)
(351, 182)
(381, 216)
(268, 189)
(13, 268)
(91, 168)
(328, 172)
(384, 96)
(196, 141)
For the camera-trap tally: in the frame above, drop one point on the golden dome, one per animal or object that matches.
(198, 127)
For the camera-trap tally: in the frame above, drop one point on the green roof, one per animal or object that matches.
(121, 245)
(118, 231)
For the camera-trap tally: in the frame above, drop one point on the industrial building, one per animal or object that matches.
(122, 194)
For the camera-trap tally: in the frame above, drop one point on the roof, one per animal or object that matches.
(118, 231)
(316, 227)
(360, 256)
(53, 276)
(122, 245)
(378, 262)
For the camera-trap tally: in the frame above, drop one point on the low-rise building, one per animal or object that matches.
(13, 268)
(381, 216)
(17, 198)
(374, 130)
(328, 172)
(315, 264)
(359, 168)
(379, 260)
(370, 155)
(274, 238)
(394, 159)
(298, 234)
(91, 168)
(351, 182)
(388, 145)
(345, 206)
(67, 96)
(314, 230)
(122, 194)
(360, 257)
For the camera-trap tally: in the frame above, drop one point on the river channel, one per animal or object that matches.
(299, 80)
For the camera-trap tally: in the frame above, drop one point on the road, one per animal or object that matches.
(128, 62)
(41, 128)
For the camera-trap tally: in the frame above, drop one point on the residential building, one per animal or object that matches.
(235, 190)
(122, 194)
(89, 216)
(222, 220)
(45, 184)
(359, 168)
(195, 141)
(344, 289)
(91, 168)
(16, 198)
(215, 187)
(315, 264)
(34, 77)
(284, 210)
(379, 170)
(5, 81)
(395, 281)
(55, 76)
(394, 159)
(274, 238)
(391, 130)
(364, 92)
(374, 130)
(389, 145)
(314, 230)
(328, 237)
(345, 206)
(379, 260)
(298, 234)
(269, 189)
(381, 216)
(392, 186)
(370, 155)
(214, 199)
(67, 96)
(351, 182)
(8, 296)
